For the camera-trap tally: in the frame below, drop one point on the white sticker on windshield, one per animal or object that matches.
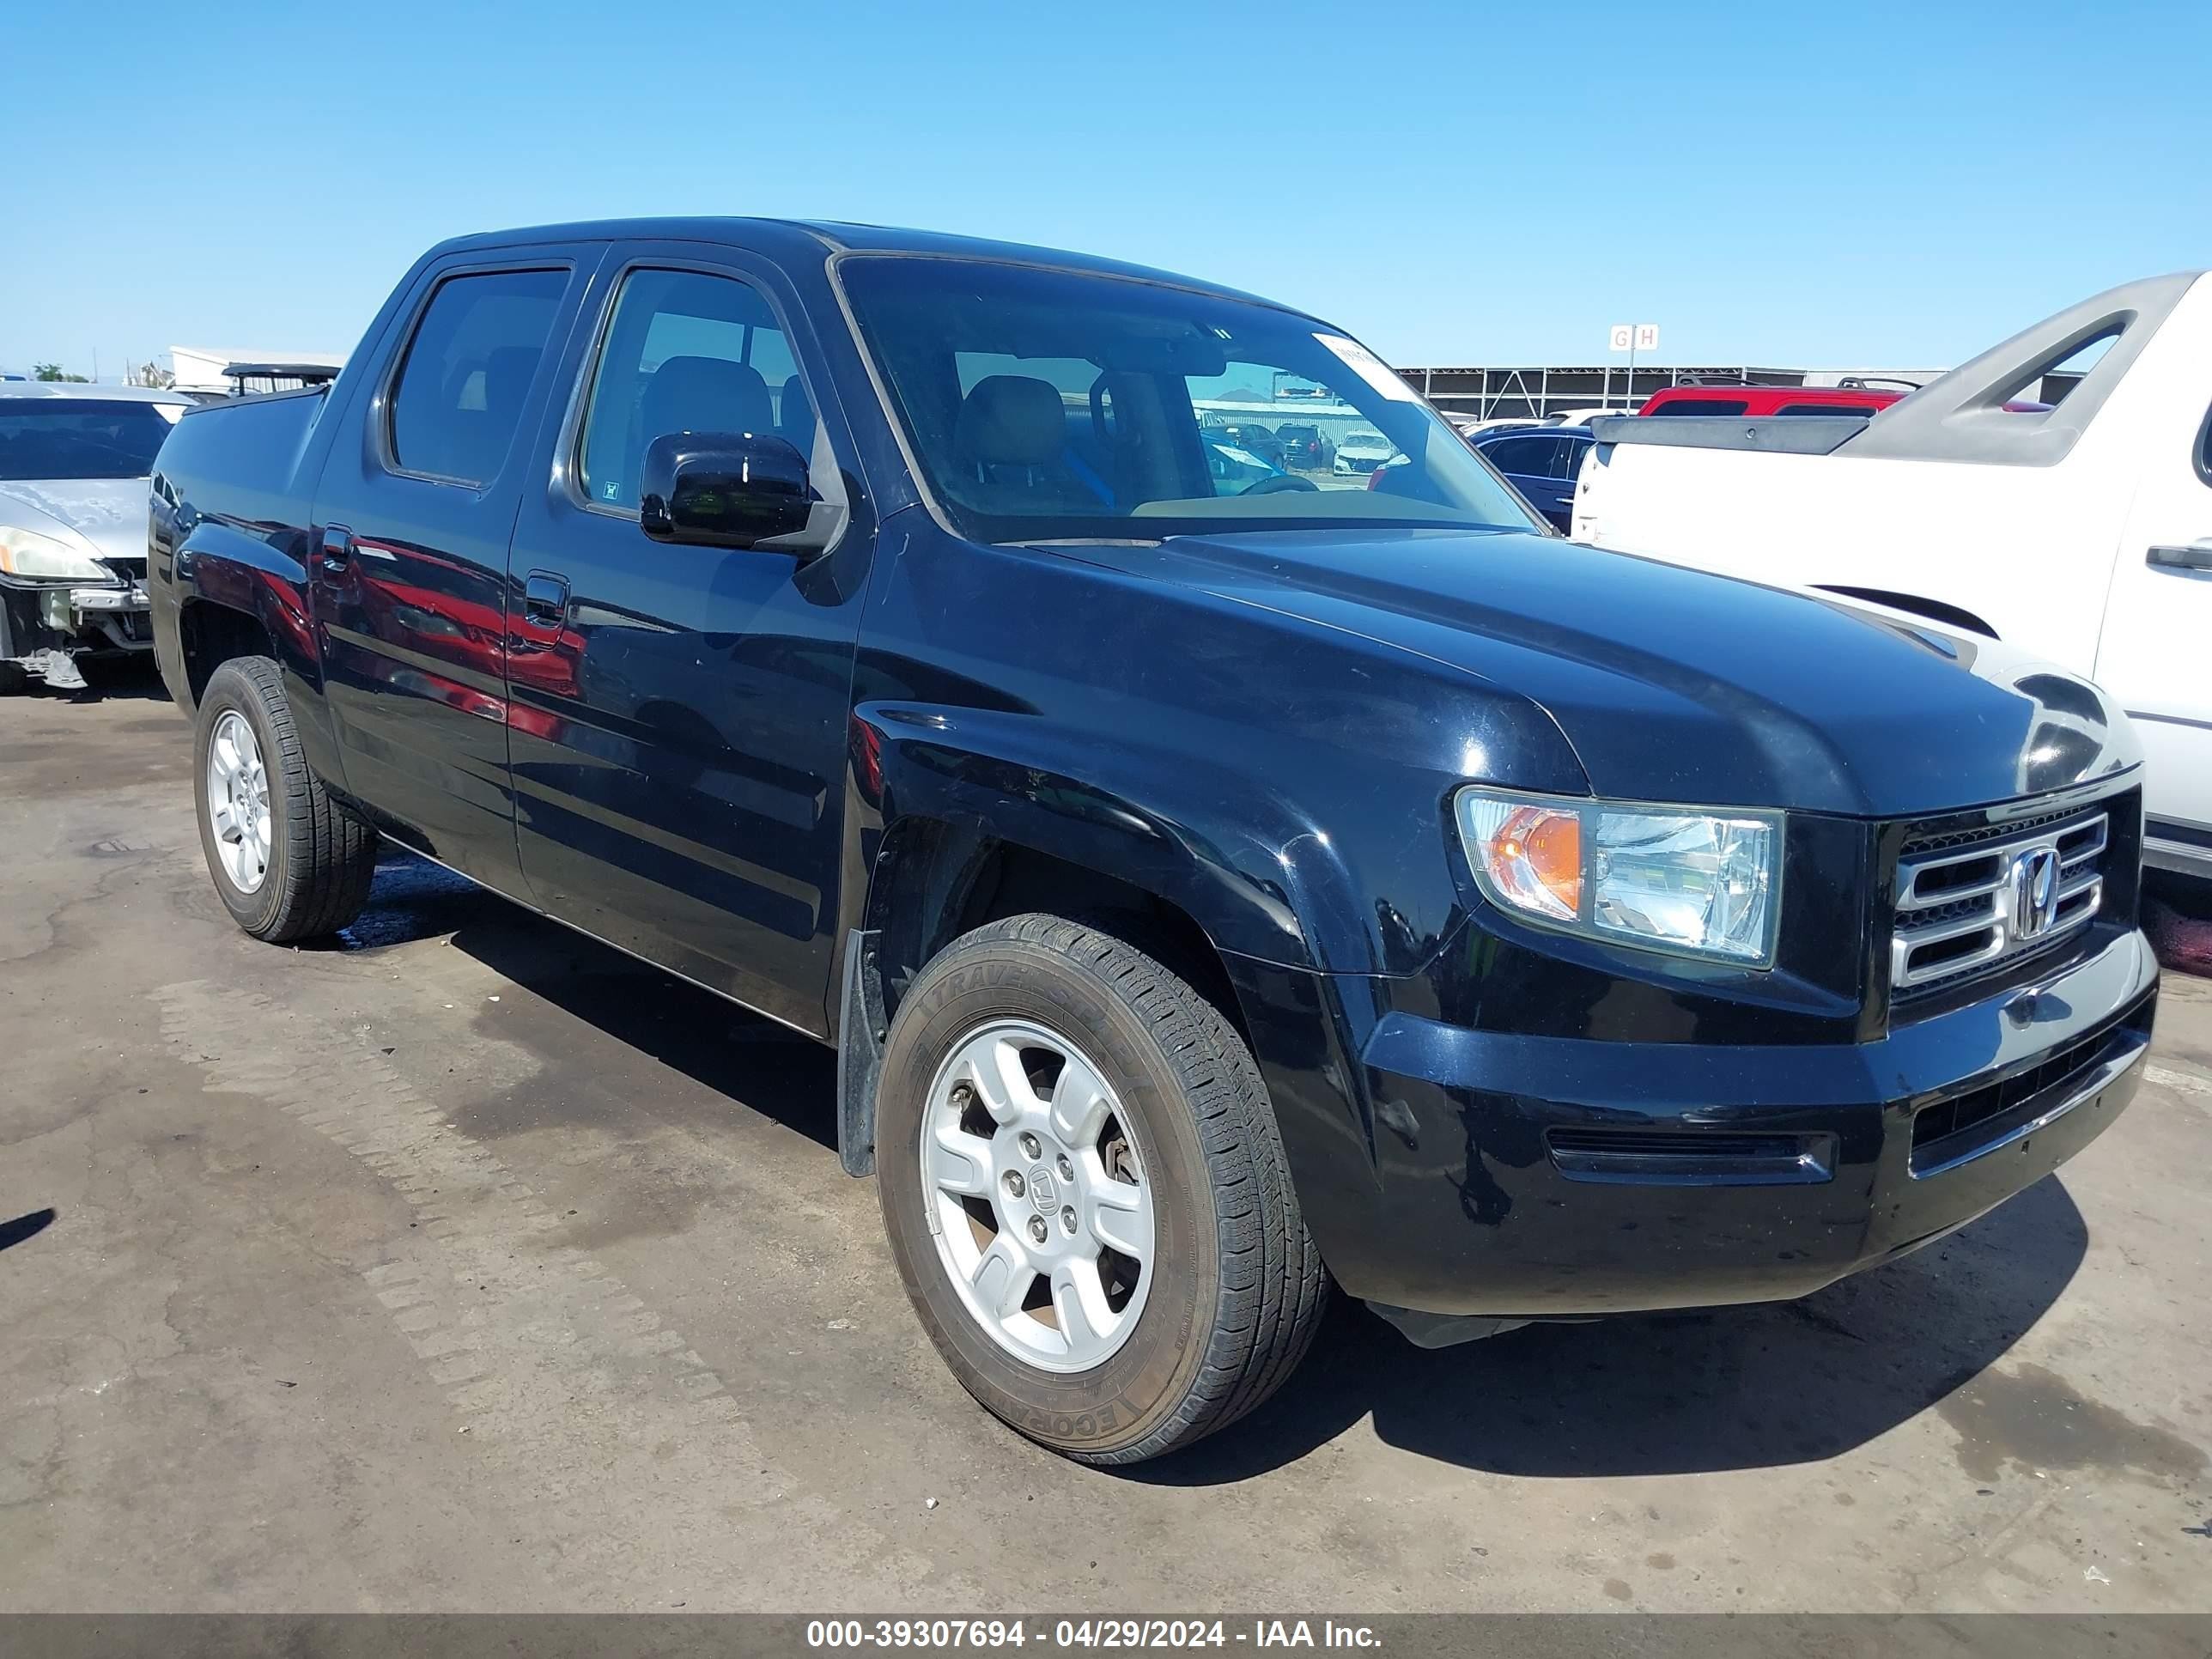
(1370, 368)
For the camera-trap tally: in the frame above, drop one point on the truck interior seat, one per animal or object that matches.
(1012, 441)
(704, 394)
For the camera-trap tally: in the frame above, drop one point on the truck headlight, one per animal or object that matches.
(1703, 884)
(41, 558)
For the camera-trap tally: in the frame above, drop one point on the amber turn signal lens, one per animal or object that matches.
(1536, 853)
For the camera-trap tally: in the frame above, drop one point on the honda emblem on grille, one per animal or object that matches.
(2034, 891)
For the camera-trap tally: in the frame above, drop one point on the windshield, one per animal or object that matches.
(1050, 406)
(43, 438)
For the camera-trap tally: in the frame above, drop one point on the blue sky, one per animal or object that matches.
(1859, 184)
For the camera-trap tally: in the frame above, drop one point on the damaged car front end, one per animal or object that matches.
(75, 461)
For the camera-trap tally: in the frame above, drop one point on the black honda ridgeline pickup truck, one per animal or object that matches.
(1215, 877)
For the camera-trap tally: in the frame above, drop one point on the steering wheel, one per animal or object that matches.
(1279, 484)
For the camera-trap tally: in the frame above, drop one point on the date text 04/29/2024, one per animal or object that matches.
(994, 1633)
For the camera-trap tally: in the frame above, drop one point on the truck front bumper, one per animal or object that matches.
(1503, 1177)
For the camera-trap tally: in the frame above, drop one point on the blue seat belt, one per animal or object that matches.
(1084, 476)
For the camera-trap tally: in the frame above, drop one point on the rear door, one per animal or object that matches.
(2158, 621)
(679, 713)
(409, 563)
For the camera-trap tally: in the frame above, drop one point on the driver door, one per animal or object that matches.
(679, 713)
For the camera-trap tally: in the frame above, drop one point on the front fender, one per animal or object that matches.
(1275, 895)
(1259, 877)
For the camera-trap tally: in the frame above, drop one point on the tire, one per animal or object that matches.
(1215, 1317)
(316, 859)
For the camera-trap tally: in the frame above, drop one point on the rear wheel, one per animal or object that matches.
(1086, 1192)
(289, 862)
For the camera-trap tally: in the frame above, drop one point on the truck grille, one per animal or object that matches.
(1974, 901)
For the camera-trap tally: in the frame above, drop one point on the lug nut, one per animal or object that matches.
(1014, 1183)
(1066, 1170)
(1028, 1146)
(1067, 1220)
(1036, 1228)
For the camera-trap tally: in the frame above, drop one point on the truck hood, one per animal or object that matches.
(1673, 684)
(105, 518)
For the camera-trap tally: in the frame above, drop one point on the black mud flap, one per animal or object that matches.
(861, 1028)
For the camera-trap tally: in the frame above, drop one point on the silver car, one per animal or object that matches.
(75, 462)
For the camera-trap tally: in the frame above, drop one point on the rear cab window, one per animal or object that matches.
(462, 386)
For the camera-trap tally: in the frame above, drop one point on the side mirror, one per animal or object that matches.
(723, 489)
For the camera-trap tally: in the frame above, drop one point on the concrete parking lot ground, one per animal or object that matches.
(472, 1266)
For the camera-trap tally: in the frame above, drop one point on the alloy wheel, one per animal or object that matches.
(238, 802)
(1041, 1211)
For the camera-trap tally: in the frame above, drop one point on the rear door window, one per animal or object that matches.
(1567, 459)
(468, 372)
(1527, 458)
(1702, 406)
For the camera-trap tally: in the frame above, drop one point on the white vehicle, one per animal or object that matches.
(1582, 417)
(1361, 451)
(2080, 531)
(75, 462)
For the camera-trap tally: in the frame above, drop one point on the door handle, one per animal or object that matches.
(2197, 555)
(337, 546)
(545, 598)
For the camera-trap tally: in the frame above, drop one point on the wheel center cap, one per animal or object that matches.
(1041, 1190)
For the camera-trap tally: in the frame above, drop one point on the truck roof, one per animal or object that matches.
(835, 237)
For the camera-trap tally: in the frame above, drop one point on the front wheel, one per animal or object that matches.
(1086, 1194)
(289, 862)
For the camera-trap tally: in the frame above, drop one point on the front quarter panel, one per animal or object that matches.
(1286, 784)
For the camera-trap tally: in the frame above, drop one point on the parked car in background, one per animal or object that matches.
(1305, 446)
(1360, 450)
(1260, 441)
(2080, 531)
(1542, 463)
(1582, 417)
(73, 463)
(1757, 401)
(1206, 897)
